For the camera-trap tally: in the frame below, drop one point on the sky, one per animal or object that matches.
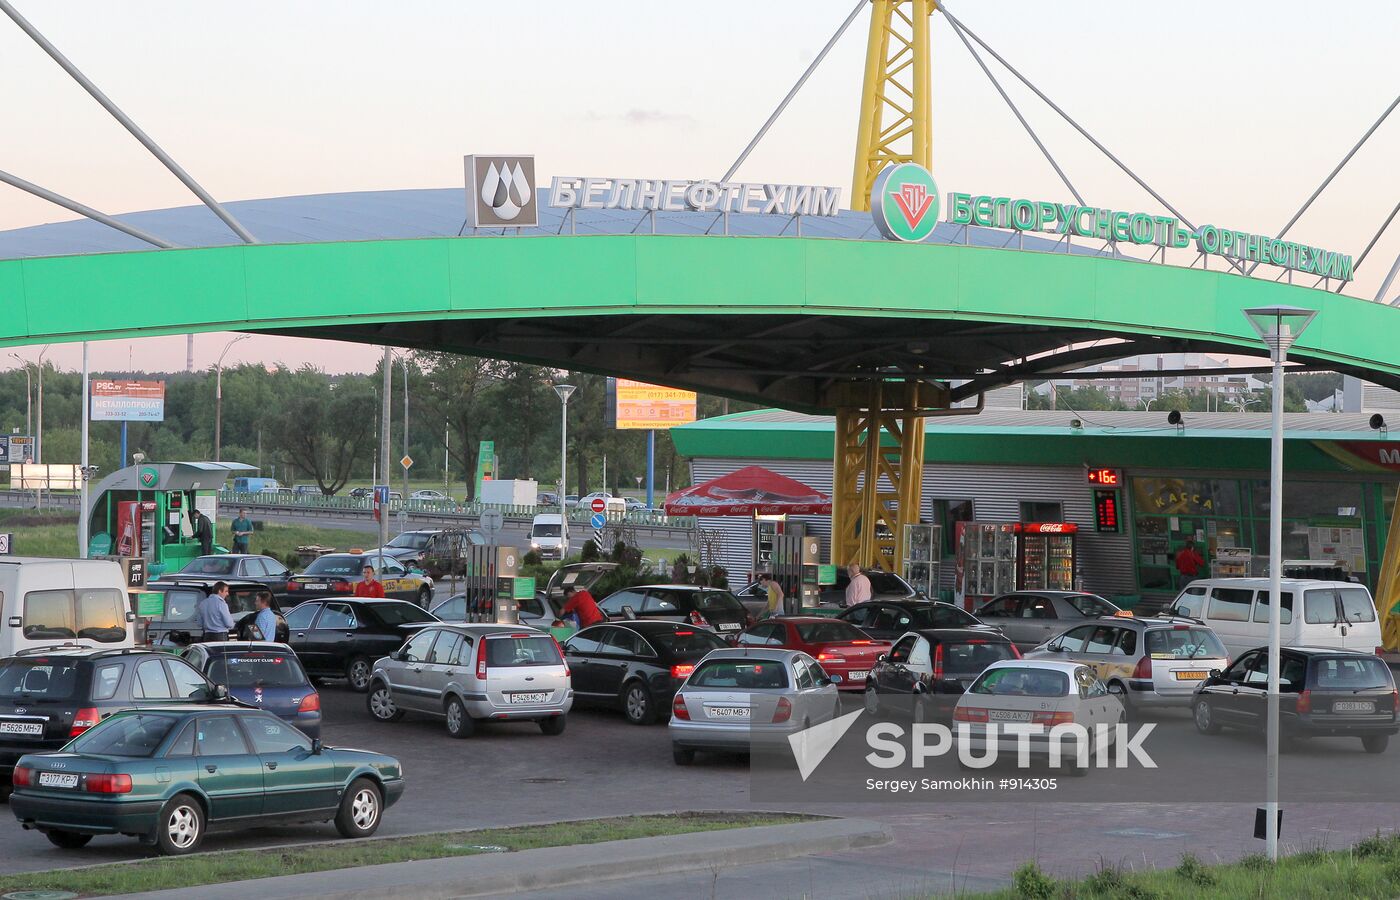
(1235, 112)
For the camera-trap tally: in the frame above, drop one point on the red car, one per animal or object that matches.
(840, 647)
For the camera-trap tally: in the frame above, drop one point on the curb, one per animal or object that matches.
(554, 867)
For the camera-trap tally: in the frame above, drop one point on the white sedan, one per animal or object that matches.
(1037, 692)
(430, 495)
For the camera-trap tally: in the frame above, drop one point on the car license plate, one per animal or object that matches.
(1190, 676)
(728, 626)
(1354, 706)
(34, 729)
(729, 712)
(861, 673)
(1008, 715)
(58, 780)
(530, 697)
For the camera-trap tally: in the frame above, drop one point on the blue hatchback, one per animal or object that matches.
(263, 674)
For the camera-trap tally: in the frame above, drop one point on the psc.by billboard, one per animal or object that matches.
(645, 406)
(128, 401)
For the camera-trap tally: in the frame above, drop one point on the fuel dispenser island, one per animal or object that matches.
(147, 511)
(492, 584)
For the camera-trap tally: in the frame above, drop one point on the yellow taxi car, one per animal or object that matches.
(336, 574)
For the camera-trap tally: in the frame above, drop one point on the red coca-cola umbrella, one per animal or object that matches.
(750, 491)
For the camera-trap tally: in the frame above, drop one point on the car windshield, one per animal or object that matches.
(128, 734)
(182, 604)
(335, 565)
(887, 583)
(973, 656)
(257, 668)
(686, 642)
(402, 613)
(38, 678)
(830, 632)
(515, 652)
(718, 600)
(1184, 642)
(1022, 682)
(942, 616)
(410, 540)
(210, 565)
(744, 674)
(543, 530)
(1352, 674)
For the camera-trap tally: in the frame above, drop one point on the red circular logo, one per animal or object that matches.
(599, 504)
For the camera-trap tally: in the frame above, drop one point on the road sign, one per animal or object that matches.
(6, 543)
(598, 504)
(407, 461)
(598, 520)
(492, 521)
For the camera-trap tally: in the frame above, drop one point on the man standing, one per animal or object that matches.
(775, 595)
(1189, 561)
(266, 620)
(580, 604)
(203, 532)
(242, 531)
(858, 590)
(214, 617)
(369, 586)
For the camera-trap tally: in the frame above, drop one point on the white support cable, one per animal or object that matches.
(1328, 180)
(84, 210)
(1376, 237)
(943, 8)
(1385, 285)
(86, 83)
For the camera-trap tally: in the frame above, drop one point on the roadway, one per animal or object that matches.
(511, 774)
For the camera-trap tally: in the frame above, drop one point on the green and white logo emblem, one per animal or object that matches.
(150, 476)
(904, 202)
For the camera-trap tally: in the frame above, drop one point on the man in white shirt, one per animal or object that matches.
(858, 591)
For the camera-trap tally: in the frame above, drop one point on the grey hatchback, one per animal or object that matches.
(467, 673)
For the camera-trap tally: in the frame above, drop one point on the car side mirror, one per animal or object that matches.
(396, 656)
(1215, 673)
(1057, 648)
(832, 679)
(220, 692)
(883, 657)
(316, 747)
(628, 612)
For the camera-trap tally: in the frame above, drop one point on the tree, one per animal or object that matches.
(458, 388)
(320, 428)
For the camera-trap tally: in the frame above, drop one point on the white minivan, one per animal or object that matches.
(546, 537)
(57, 601)
(1337, 614)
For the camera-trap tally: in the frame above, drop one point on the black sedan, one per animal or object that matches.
(888, 620)
(244, 566)
(178, 625)
(931, 668)
(343, 636)
(636, 666)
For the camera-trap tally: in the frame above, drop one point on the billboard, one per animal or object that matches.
(32, 477)
(16, 448)
(128, 401)
(639, 405)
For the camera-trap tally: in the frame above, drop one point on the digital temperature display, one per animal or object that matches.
(1104, 477)
(1106, 511)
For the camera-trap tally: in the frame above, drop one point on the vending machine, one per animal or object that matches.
(999, 558)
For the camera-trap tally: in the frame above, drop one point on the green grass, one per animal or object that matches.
(239, 865)
(1371, 869)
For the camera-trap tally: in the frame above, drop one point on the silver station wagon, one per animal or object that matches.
(472, 673)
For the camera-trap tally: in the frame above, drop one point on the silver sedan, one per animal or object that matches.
(736, 699)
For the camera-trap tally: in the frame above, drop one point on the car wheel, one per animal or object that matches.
(459, 722)
(68, 840)
(553, 725)
(1117, 690)
(1375, 743)
(180, 828)
(425, 596)
(358, 672)
(920, 712)
(637, 704)
(380, 703)
(683, 756)
(872, 700)
(360, 809)
(1204, 715)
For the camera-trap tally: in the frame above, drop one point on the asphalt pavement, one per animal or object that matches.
(512, 774)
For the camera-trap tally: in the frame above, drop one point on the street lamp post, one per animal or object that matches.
(219, 397)
(28, 396)
(565, 391)
(403, 504)
(1278, 327)
(39, 434)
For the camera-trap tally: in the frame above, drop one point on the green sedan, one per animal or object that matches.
(169, 776)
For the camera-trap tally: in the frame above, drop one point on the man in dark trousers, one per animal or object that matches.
(203, 532)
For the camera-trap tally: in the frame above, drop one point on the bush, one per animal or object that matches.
(1254, 862)
(1376, 845)
(1032, 883)
(589, 553)
(532, 558)
(1195, 871)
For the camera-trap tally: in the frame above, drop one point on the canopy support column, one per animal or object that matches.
(1388, 583)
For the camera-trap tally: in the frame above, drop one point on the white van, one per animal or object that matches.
(546, 536)
(44, 602)
(1337, 614)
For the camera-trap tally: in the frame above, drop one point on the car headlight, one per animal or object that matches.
(535, 545)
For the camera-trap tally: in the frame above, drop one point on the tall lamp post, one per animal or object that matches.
(39, 432)
(219, 398)
(1278, 327)
(565, 391)
(28, 396)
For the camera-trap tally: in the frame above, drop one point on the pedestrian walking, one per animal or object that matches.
(242, 532)
(775, 595)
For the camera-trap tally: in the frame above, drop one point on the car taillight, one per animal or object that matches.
(749, 620)
(310, 703)
(1395, 700)
(83, 719)
(938, 663)
(560, 650)
(481, 659)
(1304, 703)
(969, 714)
(101, 783)
(1052, 718)
(830, 657)
(341, 586)
(23, 776)
(784, 710)
(1144, 669)
(678, 709)
(294, 585)
(1380, 651)
(682, 670)
(862, 643)
(697, 619)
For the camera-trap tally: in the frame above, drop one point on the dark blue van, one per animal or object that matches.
(262, 674)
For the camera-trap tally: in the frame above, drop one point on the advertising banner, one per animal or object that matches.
(16, 448)
(646, 406)
(128, 401)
